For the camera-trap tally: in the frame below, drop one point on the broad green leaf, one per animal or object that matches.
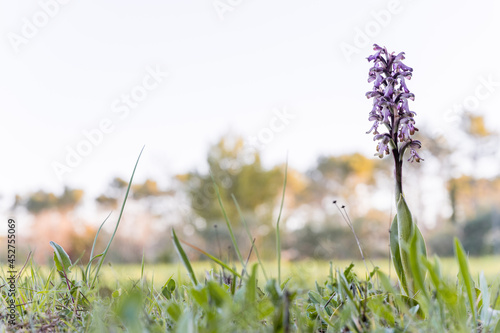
(174, 311)
(405, 230)
(168, 288)
(396, 254)
(199, 295)
(379, 307)
(251, 286)
(418, 269)
(218, 294)
(184, 258)
(171, 285)
(61, 258)
(387, 286)
(463, 265)
(264, 308)
(315, 297)
(274, 291)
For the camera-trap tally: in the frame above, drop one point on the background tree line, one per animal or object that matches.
(314, 226)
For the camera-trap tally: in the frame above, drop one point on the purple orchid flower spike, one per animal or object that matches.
(391, 109)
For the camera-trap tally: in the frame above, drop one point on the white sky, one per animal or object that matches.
(224, 74)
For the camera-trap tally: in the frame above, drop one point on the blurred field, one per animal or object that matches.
(303, 273)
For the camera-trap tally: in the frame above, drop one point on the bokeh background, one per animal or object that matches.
(240, 87)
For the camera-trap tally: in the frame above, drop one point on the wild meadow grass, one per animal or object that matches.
(138, 298)
(303, 274)
(456, 294)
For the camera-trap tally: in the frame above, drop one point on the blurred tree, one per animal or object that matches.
(468, 190)
(41, 200)
(476, 142)
(52, 220)
(344, 177)
(477, 231)
(109, 199)
(239, 172)
(107, 202)
(141, 228)
(147, 189)
(69, 199)
(474, 127)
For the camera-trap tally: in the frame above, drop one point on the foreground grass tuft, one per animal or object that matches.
(71, 297)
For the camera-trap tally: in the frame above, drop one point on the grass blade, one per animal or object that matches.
(249, 234)
(211, 257)
(233, 239)
(91, 258)
(251, 286)
(278, 238)
(142, 266)
(467, 279)
(184, 258)
(99, 265)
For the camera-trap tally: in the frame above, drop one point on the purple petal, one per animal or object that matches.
(399, 57)
(374, 128)
(388, 90)
(403, 84)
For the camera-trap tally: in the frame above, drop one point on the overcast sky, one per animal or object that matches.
(289, 76)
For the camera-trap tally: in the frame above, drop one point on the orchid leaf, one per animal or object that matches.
(396, 254)
(61, 258)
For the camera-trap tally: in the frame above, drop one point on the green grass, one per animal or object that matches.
(318, 298)
(455, 294)
(303, 273)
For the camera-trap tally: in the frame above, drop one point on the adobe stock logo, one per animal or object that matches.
(277, 124)
(30, 27)
(122, 107)
(364, 37)
(483, 90)
(225, 6)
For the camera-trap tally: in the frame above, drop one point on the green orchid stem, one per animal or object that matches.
(398, 173)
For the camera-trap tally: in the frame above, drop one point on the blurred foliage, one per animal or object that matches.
(116, 189)
(108, 202)
(147, 189)
(440, 241)
(41, 200)
(481, 235)
(315, 228)
(475, 125)
(470, 196)
(237, 172)
(341, 174)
